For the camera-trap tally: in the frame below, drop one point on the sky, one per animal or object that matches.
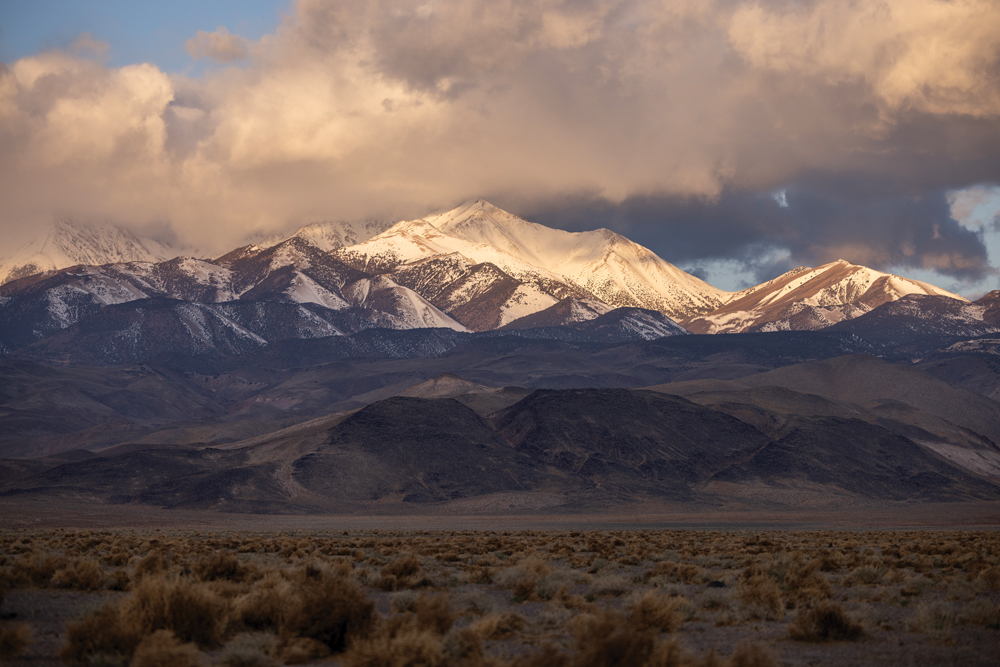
(735, 139)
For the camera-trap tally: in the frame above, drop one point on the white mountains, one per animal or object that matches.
(473, 268)
(809, 299)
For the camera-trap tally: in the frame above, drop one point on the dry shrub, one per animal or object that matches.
(405, 566)
(265, 605)
(714, 598)
(751, 655)
(687, 573)
(990, 578)
(14, 638)
(761, 596)
(935, 618)
(549, 656)
(81, 575)
(474, 602)
(981, 612)
(535, 565)
(524, 588)
(433, 613)
(407, 647)
(509, 577)
(402, 601)
(655, 611)
(118, 557)
(866, 575)
(803, 583)
(193, 612)
(479, 574)
(554, 584)
(224, 566)
(498, 626)
(606, 639)
(330, 610)
(118, 581)
(301, 650)
(827, 621)
(100, 637)
(250, 649)
(36, 569)
(610, 584)
(162, 649)
(464, 647)
(150, 566)
(554, 616)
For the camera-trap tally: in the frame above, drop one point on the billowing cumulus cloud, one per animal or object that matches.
(865, 112)
(221, 45)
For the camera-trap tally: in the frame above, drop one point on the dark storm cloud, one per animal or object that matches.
(880, 231)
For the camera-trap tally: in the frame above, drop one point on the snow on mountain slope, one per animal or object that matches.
(480, 296)
(306, 290)
(396, 307)
(582, 265)
(809, 299)
(633, 323)
(613, 268)
(566, 312)
(608, 265)
(66, 243)
(330, 235)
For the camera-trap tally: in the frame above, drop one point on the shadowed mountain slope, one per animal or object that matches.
(858, 458)
(624, 441)
(419, 450)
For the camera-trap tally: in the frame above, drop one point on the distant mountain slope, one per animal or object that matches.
(917, 316)
(809, 299)
(564, 313)
(950, 422)
(65, 243)
(331, 235)
(625, 441)
(577, 449)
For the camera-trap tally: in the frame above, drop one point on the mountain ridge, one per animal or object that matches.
(475, 268)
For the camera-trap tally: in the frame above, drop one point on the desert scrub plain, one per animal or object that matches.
(520, 599)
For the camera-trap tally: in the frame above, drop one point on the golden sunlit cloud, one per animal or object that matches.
(369, 107)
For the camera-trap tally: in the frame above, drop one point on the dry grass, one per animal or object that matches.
(577, 599)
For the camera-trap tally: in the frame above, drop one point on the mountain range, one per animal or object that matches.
(832, 433)
(473, 361)
(475, 268)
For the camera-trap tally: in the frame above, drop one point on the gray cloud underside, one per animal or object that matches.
(671, 115)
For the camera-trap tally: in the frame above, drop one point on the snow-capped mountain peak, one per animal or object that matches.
(598, 263)
(806, 298)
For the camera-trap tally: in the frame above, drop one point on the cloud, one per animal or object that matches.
(221, 46)
(928, 55)
(757, 234)
(391, 108)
